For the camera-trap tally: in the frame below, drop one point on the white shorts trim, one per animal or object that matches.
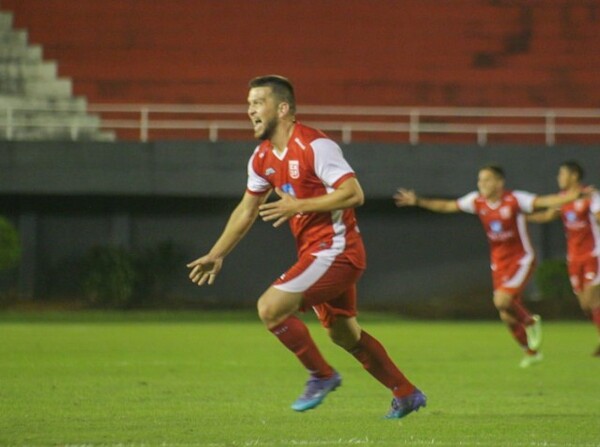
(308, 277)
(521, 275)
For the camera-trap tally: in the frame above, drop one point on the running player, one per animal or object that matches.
(580, 220)
(317, 192)
(512, 257)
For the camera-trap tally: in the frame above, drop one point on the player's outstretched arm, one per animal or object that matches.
(207, 267)
(408, 197)
(557, 200)
(544, 216)
(348, 194)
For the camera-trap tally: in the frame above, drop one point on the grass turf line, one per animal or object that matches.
(218, 380)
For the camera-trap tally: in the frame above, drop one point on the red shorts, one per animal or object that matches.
(512, 278)
(328, 285)
(583, 272)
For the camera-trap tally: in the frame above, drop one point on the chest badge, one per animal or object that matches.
(294, 168)
(505, 212)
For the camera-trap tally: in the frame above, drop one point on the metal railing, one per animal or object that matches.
(148, 120)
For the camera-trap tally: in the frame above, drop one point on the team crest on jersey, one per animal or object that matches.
(505, 212)
(579, 205)
(496, 226)
(294, 167)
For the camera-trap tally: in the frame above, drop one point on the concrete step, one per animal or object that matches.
(16, 53)
(72, 104)
(6, 20)
(13, 37)
(60, 87)
(38, 123)
(30, 71)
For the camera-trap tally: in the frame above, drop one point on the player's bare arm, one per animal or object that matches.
(348, 195)
(545, 216)
(207, 267)
(557, 200)
(408, 197)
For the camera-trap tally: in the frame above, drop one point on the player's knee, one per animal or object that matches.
(269, 313)
(265, 312)
(345, 341)
(344, 334)
(506, 317)
(502, 301)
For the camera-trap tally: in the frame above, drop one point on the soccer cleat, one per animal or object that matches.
(534, 333)
(402, 406)
(315, 391)
(596, 353)
(531, 359)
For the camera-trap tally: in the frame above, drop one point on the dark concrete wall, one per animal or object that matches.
(67, 197)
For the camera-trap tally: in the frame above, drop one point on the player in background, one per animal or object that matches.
(580, 220)
(317, 192)
(502, 214)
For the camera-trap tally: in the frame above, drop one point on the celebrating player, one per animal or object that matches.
(317, 192)
(512, 257)
(580, 219)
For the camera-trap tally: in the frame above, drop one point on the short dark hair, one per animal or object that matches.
(281, 87)
(574, 168)
(498, 171)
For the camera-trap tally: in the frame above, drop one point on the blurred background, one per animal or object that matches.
(124, 140)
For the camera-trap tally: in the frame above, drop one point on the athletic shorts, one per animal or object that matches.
(328, 285)
(512, 278)
(584, 272)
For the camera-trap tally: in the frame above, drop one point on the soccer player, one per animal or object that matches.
(580, 220)
(317, 192)
(512, 257)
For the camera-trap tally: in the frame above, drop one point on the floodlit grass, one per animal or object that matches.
(222, 380)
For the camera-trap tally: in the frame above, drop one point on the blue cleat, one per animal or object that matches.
(402, 406)
(315, 391)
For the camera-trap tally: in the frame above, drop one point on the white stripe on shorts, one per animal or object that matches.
(308, 277)
(517, 280)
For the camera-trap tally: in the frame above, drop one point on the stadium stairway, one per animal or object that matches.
(35, 103)
(468, 53)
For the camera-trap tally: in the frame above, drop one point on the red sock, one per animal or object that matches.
(518, 332)
(596, 317)
(520, 312)
(376, 361)
(294, 334)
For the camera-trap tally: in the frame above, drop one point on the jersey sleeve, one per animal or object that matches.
(256, 184)
(330, 164)
(595, 203)
(466, 203)
(525, 200)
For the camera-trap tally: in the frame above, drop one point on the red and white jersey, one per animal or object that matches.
(581, 227)
(504, 224)
(310, 166)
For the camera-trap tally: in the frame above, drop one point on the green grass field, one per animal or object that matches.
(221, 380)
